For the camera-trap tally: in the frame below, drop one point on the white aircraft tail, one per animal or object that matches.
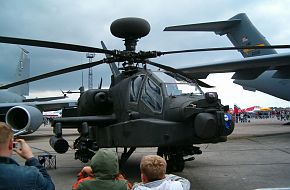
(22, 72)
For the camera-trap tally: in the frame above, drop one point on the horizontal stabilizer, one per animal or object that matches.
(218, 27)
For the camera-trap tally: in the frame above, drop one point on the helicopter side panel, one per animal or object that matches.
(120, 96)
(149, 133)
(146, 133)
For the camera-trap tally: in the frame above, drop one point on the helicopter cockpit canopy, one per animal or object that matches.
(176, 86)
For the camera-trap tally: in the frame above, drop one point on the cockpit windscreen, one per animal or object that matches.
(176, 86)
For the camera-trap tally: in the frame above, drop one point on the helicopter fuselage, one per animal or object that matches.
(146, 109)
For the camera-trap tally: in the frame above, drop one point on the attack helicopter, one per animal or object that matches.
(142, 108)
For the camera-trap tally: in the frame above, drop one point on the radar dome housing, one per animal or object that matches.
(130, 28)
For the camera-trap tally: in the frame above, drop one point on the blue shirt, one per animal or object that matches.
(32, 176)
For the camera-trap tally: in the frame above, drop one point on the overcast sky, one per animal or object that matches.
(88, 22)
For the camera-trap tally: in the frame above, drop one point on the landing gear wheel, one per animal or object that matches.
(180, 164)
(125, 156)
(175, 161)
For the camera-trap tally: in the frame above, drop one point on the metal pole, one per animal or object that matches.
(90, 76)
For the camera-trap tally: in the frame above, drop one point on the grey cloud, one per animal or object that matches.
(87, 23)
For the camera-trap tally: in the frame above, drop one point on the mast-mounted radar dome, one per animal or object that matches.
(130, 29)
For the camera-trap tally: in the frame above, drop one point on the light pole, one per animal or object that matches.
(90, 76)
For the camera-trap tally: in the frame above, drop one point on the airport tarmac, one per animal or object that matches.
(256, 155)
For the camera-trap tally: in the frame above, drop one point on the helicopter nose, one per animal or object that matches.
(205, 125)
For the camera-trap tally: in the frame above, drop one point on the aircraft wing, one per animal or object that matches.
(42, 105)
(246, 69)
(45, 98)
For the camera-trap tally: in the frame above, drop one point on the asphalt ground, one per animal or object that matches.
(256, 155)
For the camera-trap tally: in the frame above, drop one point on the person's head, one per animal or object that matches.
(105, 164)
(6, 139)
(152, 168)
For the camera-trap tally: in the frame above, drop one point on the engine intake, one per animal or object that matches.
(95, 102)
(24, 119)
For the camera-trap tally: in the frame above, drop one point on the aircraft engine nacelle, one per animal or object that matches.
(24, 119)
(95, 102)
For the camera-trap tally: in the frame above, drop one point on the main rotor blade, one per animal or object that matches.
(54, 45)
(112, 65)
(226, 48)
(54, 73)
(167, 68)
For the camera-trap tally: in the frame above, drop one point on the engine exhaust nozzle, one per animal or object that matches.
(59, 144)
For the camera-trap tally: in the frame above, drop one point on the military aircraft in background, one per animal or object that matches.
(22, 114)
(262, 69)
